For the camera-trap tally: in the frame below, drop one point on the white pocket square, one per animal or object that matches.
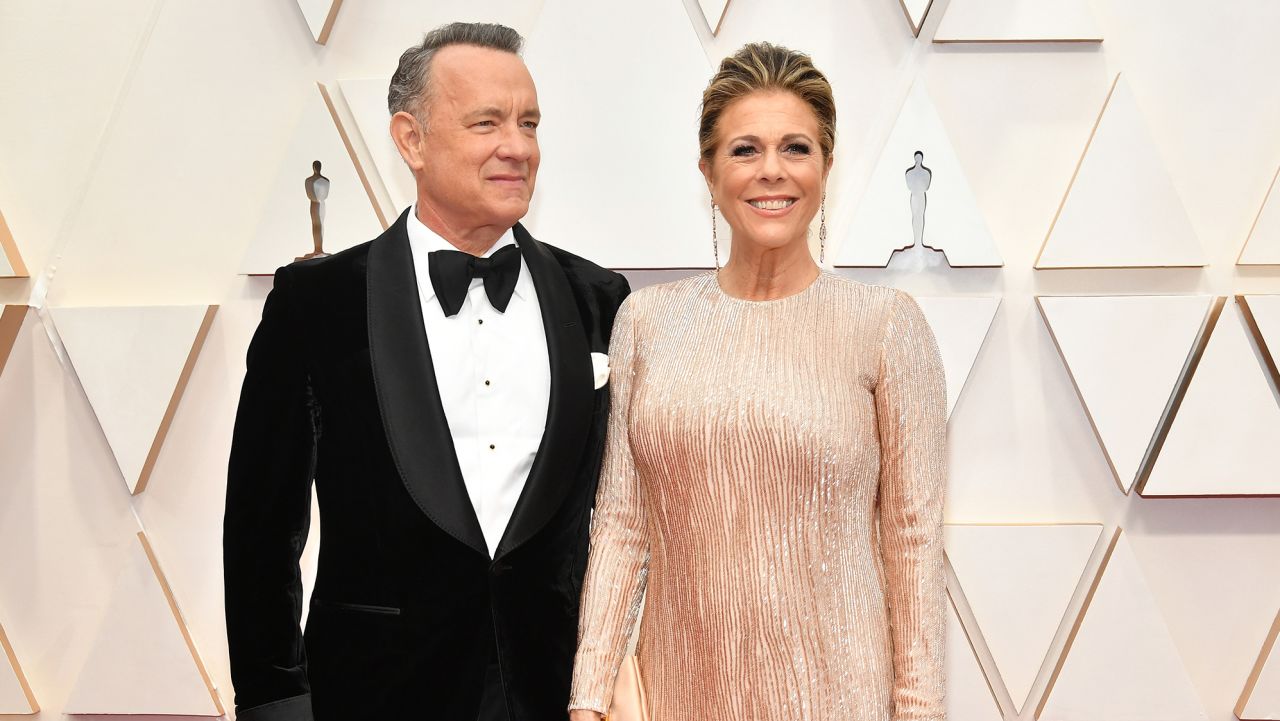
(600, 369)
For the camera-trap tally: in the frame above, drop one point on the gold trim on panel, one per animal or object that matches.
(1079, 163)
(351, 151)
(915, 29)
(328, 22)
(1265, 200)
(977, 642)
(724, 12)
(11, 318)
(1016, 41)
(1179, 393)
(1125, 267)
(9, 247)
(17, 671)
(1267, 647)
(1079, 621)
(1025, 524)
(182, 625)
(163, 431)
(1268, 354)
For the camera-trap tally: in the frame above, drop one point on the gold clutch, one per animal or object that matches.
(629, 700)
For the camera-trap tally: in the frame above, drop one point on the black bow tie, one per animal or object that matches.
(452, 270)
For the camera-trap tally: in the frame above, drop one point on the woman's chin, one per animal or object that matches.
(773, 241)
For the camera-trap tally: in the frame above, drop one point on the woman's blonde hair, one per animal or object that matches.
(765, 66)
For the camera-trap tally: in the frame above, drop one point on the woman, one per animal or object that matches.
(776, 457)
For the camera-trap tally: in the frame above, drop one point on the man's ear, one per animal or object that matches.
(407, 135)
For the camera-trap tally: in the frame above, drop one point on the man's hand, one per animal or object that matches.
(585, 715)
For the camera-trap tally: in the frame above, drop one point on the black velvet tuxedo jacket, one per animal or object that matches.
(408, 608)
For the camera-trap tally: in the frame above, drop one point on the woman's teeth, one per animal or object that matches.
(779, 204)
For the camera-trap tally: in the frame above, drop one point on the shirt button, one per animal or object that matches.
(491, 446)
(487, 383)
(480, 321)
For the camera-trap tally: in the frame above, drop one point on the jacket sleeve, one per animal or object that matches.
(268, 510)
(911, 412)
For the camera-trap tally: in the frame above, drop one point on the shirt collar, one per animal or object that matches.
(423, 240)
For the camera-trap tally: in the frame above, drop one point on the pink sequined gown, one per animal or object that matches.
(774, 479)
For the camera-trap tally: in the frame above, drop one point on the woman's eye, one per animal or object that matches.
(798, 148)
(742, 151)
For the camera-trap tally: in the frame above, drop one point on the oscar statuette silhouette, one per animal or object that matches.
(919, 255)
(317, 190)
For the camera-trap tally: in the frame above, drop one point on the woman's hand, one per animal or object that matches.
(585, 715)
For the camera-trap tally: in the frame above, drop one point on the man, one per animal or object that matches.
(438, 384)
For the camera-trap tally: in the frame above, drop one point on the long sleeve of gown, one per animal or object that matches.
(911, 411)
(618, 563)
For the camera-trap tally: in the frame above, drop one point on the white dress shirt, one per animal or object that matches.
(494, 378)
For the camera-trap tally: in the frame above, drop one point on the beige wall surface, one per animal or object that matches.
(140, 139)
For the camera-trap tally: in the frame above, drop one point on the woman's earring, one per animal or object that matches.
(822, 231)
(715, 242)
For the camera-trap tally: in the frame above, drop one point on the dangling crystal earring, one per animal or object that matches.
(822, 231)
(715, 242)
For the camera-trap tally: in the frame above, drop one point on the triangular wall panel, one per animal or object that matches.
(1263, 244)
(883, 223)
(916, 11)
(1121, 662)
(960, 325)
(143, 660)
(1224, 439)
(969, 697)
(133, 363)
(1121, 209)
(11, 265)
(366, 98)
(1126, 356)
(320, 16)
(1260, 700)
(16, 696)
(713, 11)
(1018, 21)
(350, 211)
(651, 106)
(1019, 581)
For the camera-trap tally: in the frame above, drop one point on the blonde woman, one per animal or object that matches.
(775, 465)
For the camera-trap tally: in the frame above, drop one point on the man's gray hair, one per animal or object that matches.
(410, 88)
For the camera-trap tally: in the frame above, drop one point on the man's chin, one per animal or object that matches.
(508, 214)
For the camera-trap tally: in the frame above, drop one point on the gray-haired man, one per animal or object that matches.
(439, 385)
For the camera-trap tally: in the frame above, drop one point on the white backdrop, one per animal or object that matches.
(140, 141)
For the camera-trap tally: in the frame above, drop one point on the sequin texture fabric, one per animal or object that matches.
(772, 494)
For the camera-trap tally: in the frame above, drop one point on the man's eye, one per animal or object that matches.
(531, 124)
(485, 124)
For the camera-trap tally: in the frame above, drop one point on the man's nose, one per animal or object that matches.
(516, 145)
